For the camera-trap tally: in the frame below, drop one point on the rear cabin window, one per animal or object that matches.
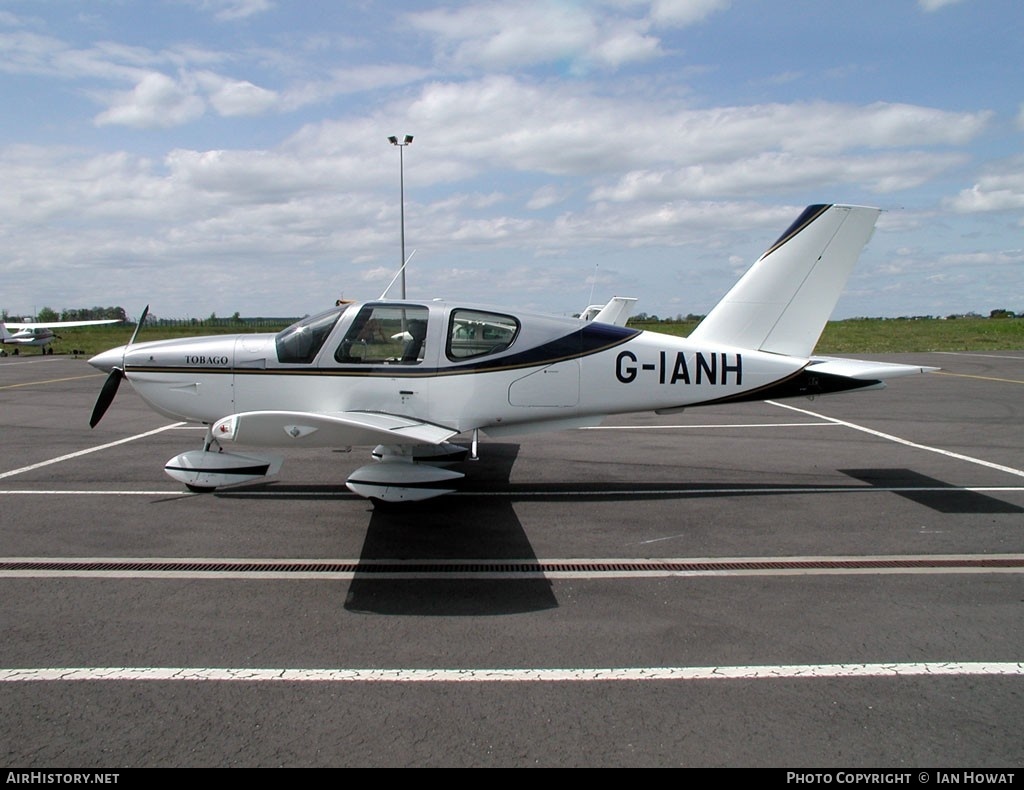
(385, 335)
(473, 333)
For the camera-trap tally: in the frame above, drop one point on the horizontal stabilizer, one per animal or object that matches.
(863, 369)
(339, 429)
(783, 301)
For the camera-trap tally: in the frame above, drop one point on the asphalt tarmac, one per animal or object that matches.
(803, 584)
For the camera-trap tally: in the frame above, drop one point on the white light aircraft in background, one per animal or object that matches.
(408, 376)
(40, 334)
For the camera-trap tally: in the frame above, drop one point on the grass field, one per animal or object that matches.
(853, 336)
(892, 335)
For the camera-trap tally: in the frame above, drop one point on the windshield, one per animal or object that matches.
(299, 343)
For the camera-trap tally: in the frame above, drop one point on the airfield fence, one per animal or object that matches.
(223, 323)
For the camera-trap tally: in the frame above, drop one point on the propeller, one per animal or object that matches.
(138, 326)
(106, 396)
(113, 381)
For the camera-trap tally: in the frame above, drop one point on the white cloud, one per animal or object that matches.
(156, 101)
(546, 196)
(999, 190)
(609, 34)
(344, 81)
(681, 13)
(537, 32)
(629, 46)
(505, 35)
(935, 5)
(773, 172)
(236, 97)
(227, 10)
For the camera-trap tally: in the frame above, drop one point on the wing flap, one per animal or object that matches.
(340, 429)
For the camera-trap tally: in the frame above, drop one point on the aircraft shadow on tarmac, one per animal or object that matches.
(935, 494)
(481, 524)
(484, 528)
(459, 529)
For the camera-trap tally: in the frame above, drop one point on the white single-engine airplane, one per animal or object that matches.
(408, 376)
(40, 334)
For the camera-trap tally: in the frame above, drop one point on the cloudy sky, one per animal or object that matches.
(214, 156)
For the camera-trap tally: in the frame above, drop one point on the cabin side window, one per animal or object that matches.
(300, 343)
(473, 333)
(385, 335)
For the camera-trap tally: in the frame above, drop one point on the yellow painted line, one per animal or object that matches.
(984, 378)
(49, 381)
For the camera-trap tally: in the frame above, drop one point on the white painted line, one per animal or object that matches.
(36, 361)
(86, 452)
(46, 381)
(84, 492)
(1012, 557)
(525, 569)
(546, 575)
(948, 453)
(968, 354)
(607, 491)
(707, 425)
(571, 675)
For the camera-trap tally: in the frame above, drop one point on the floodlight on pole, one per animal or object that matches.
(401, 182)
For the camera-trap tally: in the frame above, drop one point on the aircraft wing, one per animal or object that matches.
(863, 369)
(19, 326)
(324, 429)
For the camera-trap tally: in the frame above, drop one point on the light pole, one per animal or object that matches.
(401, 181)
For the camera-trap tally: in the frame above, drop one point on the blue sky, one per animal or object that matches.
(214, 156)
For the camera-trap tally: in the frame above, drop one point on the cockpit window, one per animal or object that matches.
(300, 343)
(473, 333)
(384, 334)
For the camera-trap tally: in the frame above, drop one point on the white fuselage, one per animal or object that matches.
(555, 373)
(30, 337)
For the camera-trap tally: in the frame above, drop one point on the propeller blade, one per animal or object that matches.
(113, 381)
(138, 326)
(106, 396)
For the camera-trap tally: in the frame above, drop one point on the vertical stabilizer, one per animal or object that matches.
(783, 301)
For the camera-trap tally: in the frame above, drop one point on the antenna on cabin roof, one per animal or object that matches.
(399, 272)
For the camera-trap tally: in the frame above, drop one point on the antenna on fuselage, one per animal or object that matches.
(397, 275)
(593, 283)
